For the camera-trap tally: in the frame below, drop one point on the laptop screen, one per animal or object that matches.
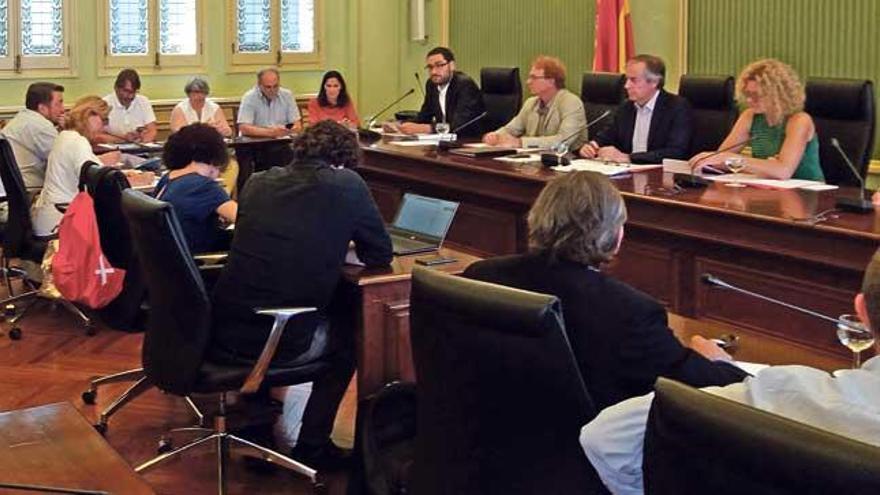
(426, 216)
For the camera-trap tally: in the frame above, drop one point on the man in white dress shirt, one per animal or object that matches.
(131, 115)
(846, 402)
(32, 131)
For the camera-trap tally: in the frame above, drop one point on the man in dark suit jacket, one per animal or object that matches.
(450, 96)
(618, 334)
(654, 124)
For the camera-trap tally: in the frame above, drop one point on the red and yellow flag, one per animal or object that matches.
(614, 38)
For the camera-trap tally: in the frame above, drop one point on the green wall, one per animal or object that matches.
(368, 40)
(821, 38)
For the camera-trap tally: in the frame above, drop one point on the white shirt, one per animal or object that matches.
(68, 154)
(124, 120)
(31, 137)
(256, 109)
(643, 124)
(208, 111)
(441, 91)
(846, 402)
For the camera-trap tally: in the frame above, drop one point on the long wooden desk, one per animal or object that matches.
(54, 446)
(758, 239)
(382, 342)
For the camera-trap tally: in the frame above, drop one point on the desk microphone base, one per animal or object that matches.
(855, 205)
(690, 181)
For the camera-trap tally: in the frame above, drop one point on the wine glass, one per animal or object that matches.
(852, 333)
(735, 165)
(560, 149)
(442, 128)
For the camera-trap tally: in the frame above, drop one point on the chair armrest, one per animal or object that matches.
(281, 315)
(210, 258)
(62, 207)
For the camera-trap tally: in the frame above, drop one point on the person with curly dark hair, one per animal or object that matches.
(195, 156)
(293, 231)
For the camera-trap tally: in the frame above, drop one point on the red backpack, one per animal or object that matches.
(80, 271)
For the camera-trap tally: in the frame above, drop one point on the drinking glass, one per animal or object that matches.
(561, 149)
(852, 333)
(442, 128)
(735, 165)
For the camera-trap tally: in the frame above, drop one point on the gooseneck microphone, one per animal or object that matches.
(709, 279)
(372, 120)
(693, 180)
(551, 160)
(446, 145)
(859, 204)
(419, 83)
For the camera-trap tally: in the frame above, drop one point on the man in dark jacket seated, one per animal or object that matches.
(292, 233)
(618, 334)
(651, 125)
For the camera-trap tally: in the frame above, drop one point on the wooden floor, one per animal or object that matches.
(54, 362)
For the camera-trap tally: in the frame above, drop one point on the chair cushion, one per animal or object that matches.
(708, 92)
(842, 99)
(499, 80)
(602, 88)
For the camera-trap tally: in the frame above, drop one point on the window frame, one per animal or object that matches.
(248, 62)
(152, 62)
(17, 65)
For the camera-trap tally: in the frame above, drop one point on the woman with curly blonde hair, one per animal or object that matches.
(782, 136)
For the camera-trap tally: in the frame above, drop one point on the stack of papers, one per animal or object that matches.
(605, 168)
(755, 181)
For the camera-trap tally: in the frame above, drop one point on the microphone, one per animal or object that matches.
(693, 180)
(551, 160)
(709, 279)
(367, 133)
(446, 145)
(419, 83)
(857, 205)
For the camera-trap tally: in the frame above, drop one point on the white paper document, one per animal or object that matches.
(755, 181)
(606, 168)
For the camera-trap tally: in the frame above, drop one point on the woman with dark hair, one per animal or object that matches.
(293, 231)
(195, 156)
(333, 102)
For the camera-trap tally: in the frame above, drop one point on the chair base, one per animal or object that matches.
(31, 297)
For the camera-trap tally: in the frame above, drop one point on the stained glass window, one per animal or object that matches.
(298, 26)
(254, 29)
(42, 27)
(129, 32)
(177, 27)
(4, 29)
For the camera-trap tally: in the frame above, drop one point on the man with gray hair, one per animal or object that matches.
(619, 336)
(651, 125)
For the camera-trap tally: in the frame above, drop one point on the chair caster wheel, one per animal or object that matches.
(91, 330)
(165, 446)
(88, 397)
(101, 428)
(15, 333)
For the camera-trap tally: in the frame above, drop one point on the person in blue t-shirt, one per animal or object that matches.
(195, 156)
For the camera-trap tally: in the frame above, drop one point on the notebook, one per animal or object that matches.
(421, 224)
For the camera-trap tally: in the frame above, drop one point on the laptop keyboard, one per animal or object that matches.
(403, 244)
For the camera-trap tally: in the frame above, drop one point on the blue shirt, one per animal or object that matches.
(256, 109)
(195, 199)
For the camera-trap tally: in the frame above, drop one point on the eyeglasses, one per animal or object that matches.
(438, 65)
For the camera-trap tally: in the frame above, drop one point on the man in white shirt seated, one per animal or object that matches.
(131, 117)
(32, 131)
(846, 402)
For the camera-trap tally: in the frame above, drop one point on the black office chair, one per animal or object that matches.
(7, 160)
(502, 95)
(842, 109)
(714, 109)
(19, 242)
(601, 92)
(500, 399)
(176, 349)
(699, 443)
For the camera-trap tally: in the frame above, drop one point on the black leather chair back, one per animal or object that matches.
(699, 443)
(180, 311)
(842, 109)
(502, 95)
(500, 398)
(601, 91)
(714, 109)
(18, 240)
(105, 185)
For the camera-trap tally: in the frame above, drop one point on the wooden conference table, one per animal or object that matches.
(762, 240)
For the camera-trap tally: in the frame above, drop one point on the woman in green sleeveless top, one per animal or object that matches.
(782, 136)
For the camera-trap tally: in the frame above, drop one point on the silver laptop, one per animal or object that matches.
(421, 224)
